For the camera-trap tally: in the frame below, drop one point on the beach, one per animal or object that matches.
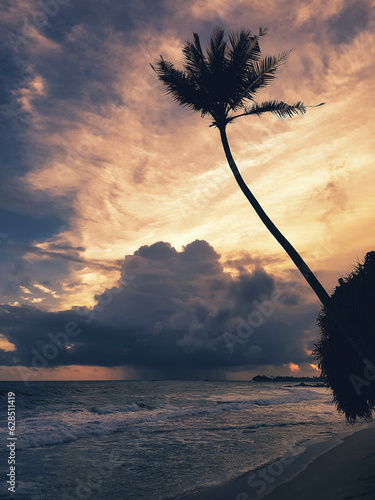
(196, 440)
(345, 472)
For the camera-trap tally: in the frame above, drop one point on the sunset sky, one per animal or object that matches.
(103, 177)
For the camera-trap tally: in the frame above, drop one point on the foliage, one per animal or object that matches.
(225, 77)
(343, 370)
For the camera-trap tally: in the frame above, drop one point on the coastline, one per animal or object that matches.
(342, 467)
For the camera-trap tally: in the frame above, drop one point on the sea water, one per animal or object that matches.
(154, 440)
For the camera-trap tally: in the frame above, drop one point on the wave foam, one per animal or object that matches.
(61, 427)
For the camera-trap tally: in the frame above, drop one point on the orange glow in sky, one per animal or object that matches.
(138, 169)
(293, 367)
(148, 170)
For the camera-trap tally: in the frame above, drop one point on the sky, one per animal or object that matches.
(127, 249)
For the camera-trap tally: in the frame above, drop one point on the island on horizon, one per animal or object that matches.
(286, 378)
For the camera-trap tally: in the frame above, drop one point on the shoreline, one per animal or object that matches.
(337, 468)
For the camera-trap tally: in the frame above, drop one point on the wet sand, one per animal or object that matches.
(345, 472)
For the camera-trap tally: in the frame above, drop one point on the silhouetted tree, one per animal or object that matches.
(219, 83)
(352, 383)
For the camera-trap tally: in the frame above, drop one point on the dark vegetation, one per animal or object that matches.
(351, 378)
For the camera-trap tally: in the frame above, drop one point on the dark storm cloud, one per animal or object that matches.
(175, 311)
(15, 198)
(25, 227)
(244, 260)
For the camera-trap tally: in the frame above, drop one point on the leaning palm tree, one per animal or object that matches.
(222, 83)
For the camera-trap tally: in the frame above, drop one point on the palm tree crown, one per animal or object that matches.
(226, 77)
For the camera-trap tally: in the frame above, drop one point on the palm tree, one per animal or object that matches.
(221, 82)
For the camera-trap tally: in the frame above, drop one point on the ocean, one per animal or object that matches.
(154, 440)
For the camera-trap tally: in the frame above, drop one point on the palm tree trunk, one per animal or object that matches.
(317, 287)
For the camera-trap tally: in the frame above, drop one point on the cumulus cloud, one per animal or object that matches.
(89, 136)
(175, 312)
(97, 162)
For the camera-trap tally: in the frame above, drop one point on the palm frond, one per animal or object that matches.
(216, 64)
(194, 63)
(263, 72)
(216, 52)
(244, 50)
(179, 86)
(279, 108)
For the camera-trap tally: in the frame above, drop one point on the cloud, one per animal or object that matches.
(353, 18)
(176, 312)
(98, 162)
(333, 194)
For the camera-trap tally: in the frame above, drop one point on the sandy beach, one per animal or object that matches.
(345, 472)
